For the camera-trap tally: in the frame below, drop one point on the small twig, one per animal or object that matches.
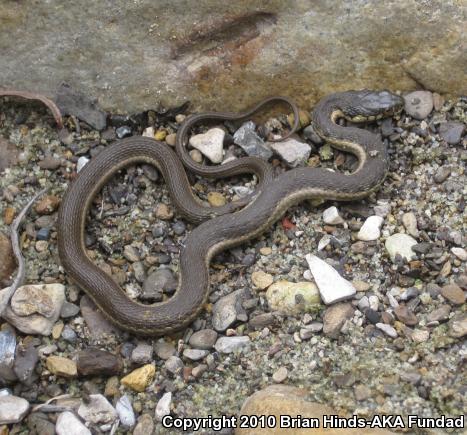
(48, 402)
(33, 96)
(14, 236)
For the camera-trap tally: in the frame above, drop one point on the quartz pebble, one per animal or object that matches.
(69, 424)
(332, 287)
(97, 410)
(370, 229)
(232, 344)
(280, 375)
(210, 144)
(451, 132)
(125, 412)
(409, 221)
(387, 329)
(331, 216)
(400, 244)
(163, 406)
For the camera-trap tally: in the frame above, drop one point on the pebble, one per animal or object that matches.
(9, 215)
(97, 410)
(61, 366)
(451, 132)
(371, 229)
(7, 354)
(142, 354)
(160, 135)
(164, 350)
(97, 324)
(261, 321)
(335, 317)
(163, 406)
(195, 354)
(82, 162)
(261, 280)
(198, 371)
(123, 131)
(69, 424)
(163, 211)
(125, 412)
(43, 234)
(387, 329)
(460, 253)
(131, 253)
(39, 423)
(68, 310)
(227, 309)
(148, 132)
(362, 392)
(418, 104)
(96, 362)
(210, 144)
(331, 216)
(26, 359)
(170, 139)
(400, 244)
(332, 287)
(250, 142)
(373, 316)
(280, 375)
(232, 344)
(287, 400)
(216, 199)
(373, 302)
(420, 335)
(196, 156)
(159, 281)
(203, 339)
(47, 205)
(310, 134)
(174, 365)
(292, 151)
(139, 379)
(405, 315)
(453, 293)
(293, 298)
(409, 221)
(179, 228)
(361, 286)
(458, 326)
(442, 174)
(145, 424)
(439, 314)
(8, 264)
(34, 309)
(12, 409)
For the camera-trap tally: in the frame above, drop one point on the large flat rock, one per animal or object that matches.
(227, 55)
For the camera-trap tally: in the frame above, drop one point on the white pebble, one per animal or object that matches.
(370, 230)
(409, 221)
(373, 302)
(460, 253)
(125, 411)
(210, 144)
(387, 329)
(331, 216)
(400, 244)
(163, 406)
(149, 132)
(81, 163)
(69, 424)
(332, 287)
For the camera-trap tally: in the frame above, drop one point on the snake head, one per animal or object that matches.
(368, 105)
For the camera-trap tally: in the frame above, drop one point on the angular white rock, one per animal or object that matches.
(370, 229)
(82, 161)
(149, 132)
(210, 144)
(400, 244)
(69, 424)
(291, 151)
(163, 406)
(98, 410)
(125, 412)
(12, 409)
(332, 287)
(331, 216)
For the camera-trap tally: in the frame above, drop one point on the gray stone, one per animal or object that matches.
(174, 365)
(74, 103)
(195, 354)
(442, 174)
(292, 151)
(12, 409)
(39, 423)
(97, 324)
(251, 143)
(164, 350)
(387, 329)
(458, 326)
(145, 425)
(68, 310)
(8, 157)
(97, 410)
(69, 424)
(25, 362)
(226, 310)
(203, 339)
(35, 308)
(451, 132)
(142, 354)
(419, 104)
(7, 354)
(157, 282)
(151, 52)
(232, 344)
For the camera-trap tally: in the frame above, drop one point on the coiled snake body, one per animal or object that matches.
(222, 231)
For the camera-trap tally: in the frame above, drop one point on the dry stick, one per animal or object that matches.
(34, 96)
(14, 236)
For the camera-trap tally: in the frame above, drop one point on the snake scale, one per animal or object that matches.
(220, 228)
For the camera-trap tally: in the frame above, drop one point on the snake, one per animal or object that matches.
(225, 230)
